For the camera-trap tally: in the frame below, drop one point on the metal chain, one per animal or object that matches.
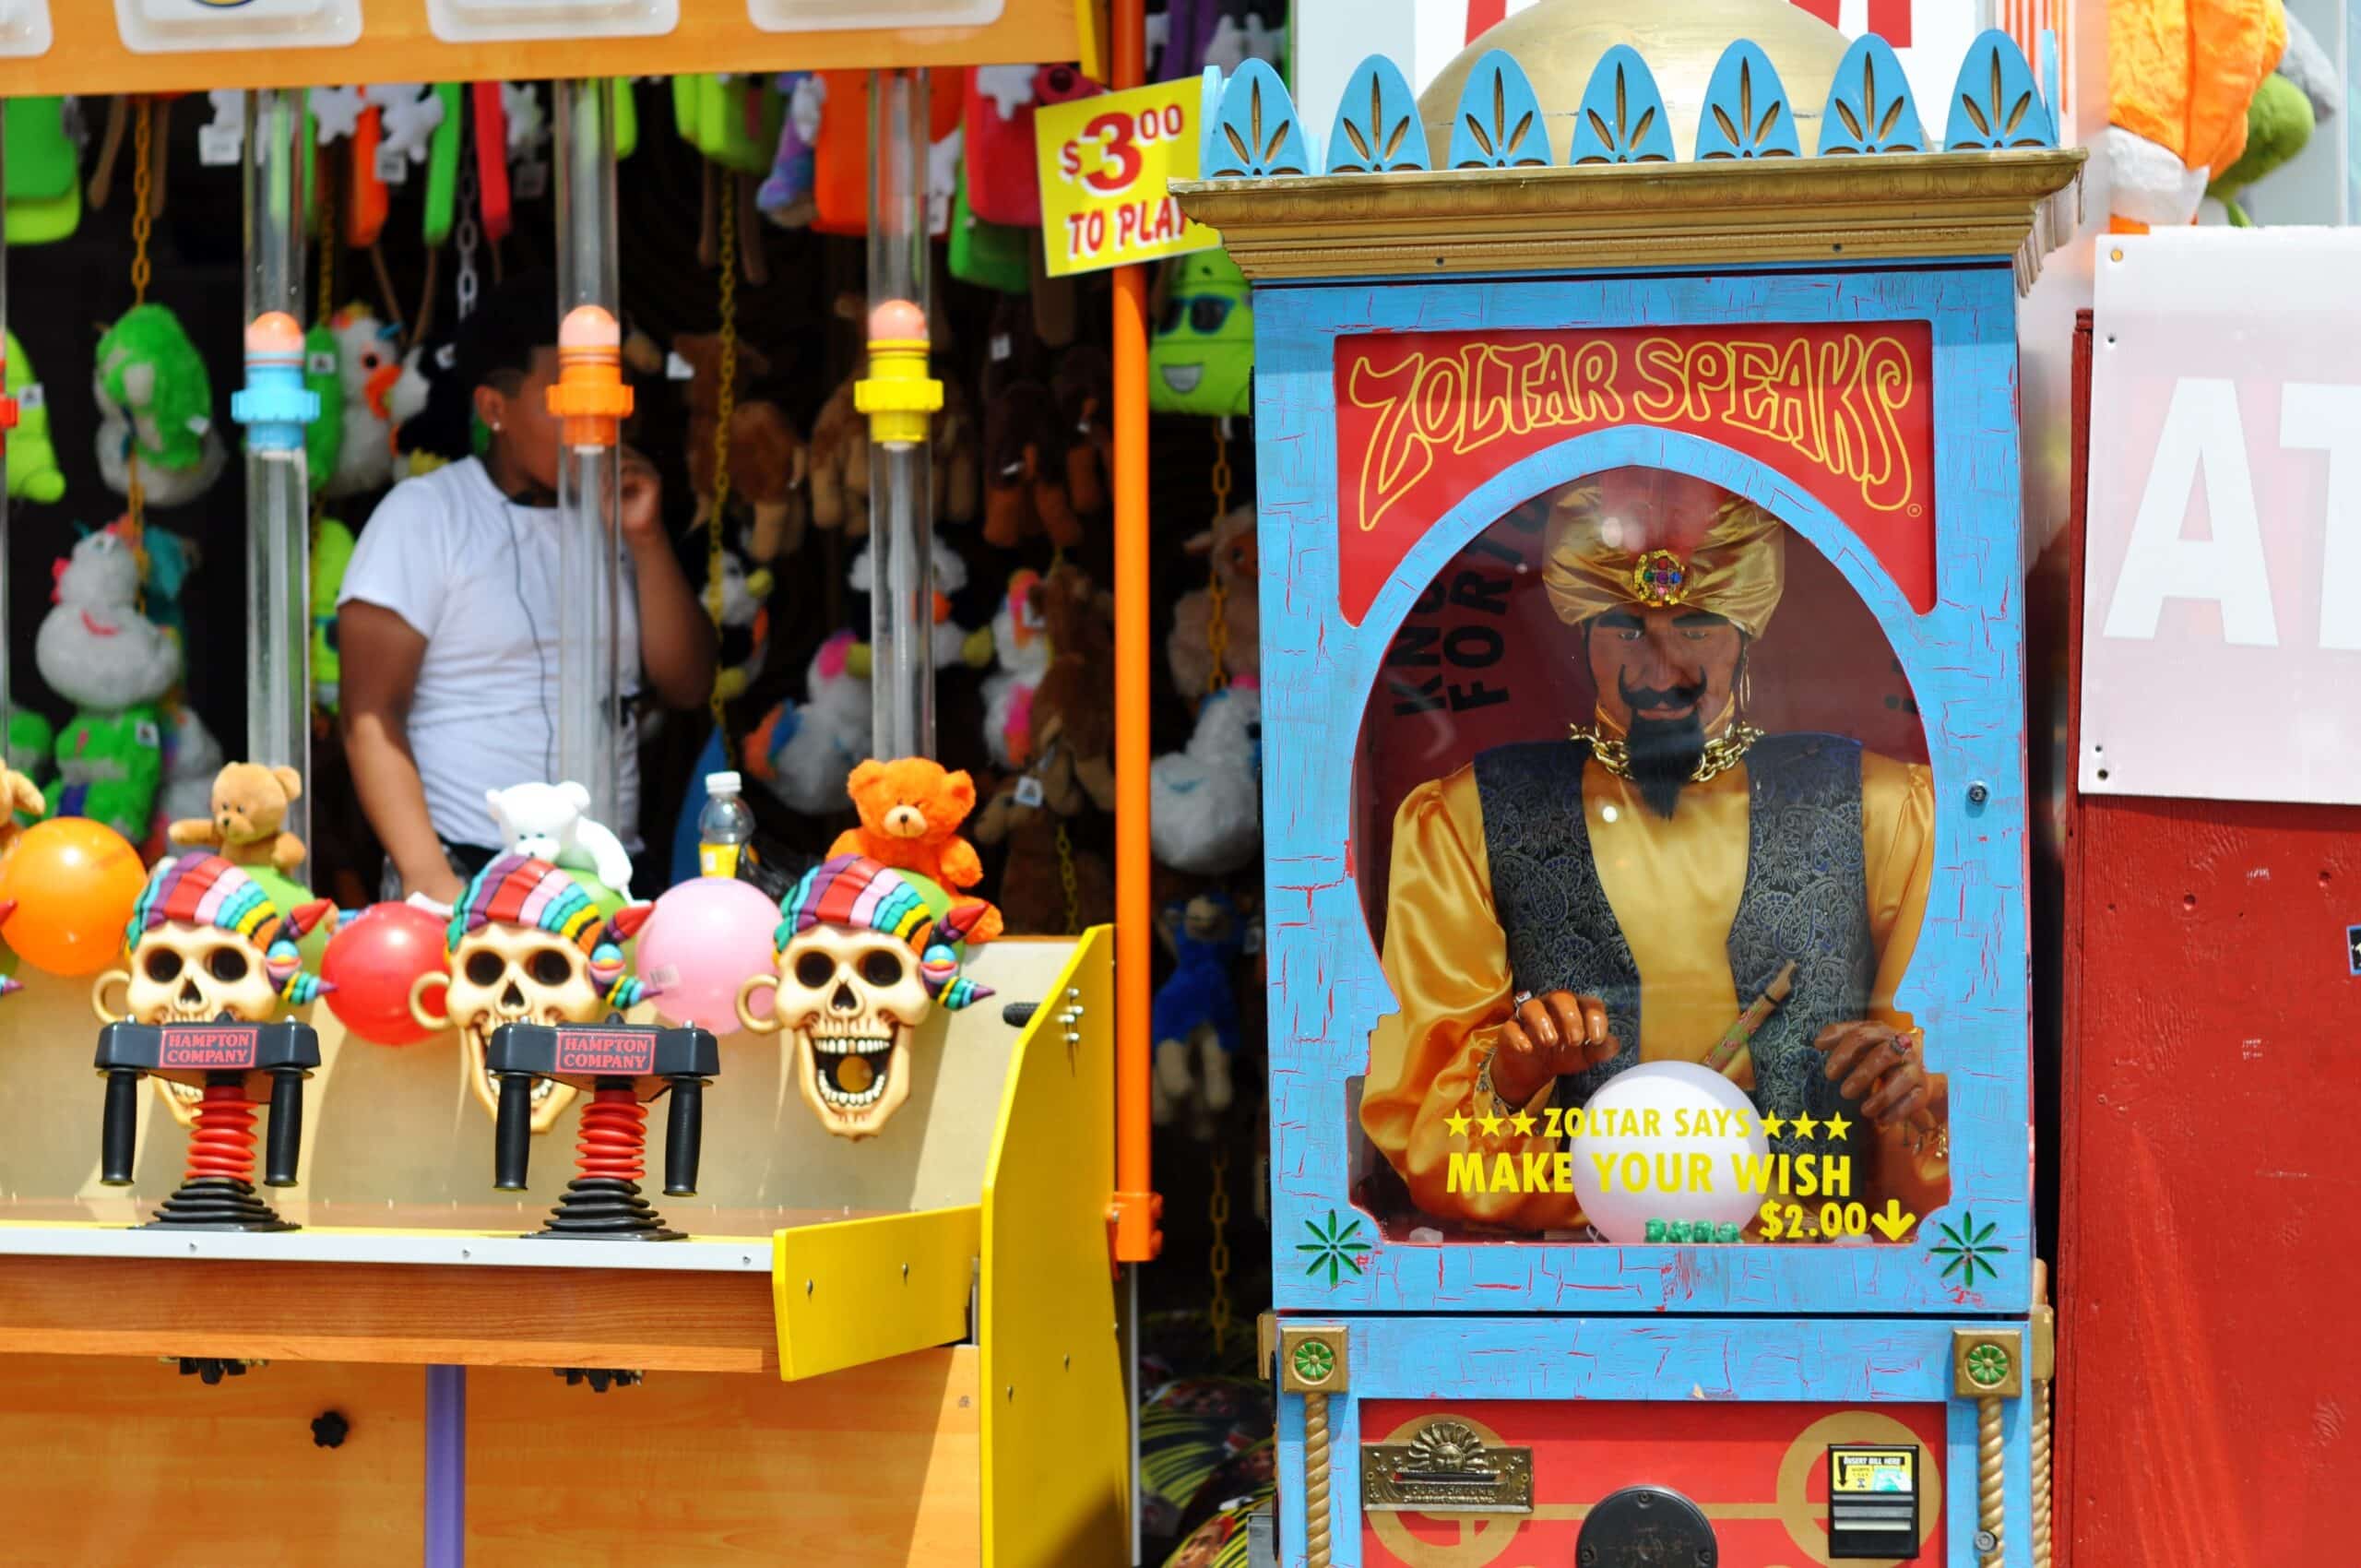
(1071, 882)
(1217, 622)
(143, 222)
(726, 410)
(468, 236)
(1218, 1213)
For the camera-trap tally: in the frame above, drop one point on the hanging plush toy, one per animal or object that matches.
(2288, 107)
(1025, 445)
(745, 617)
(785, 196)
(332, 549)
(1205, 803)
(433, 419)
(1085, 387)
(368, 365)
(115, 665)
(840, 462)
(33, 474)
(156, 409)
(1230, 544)
(802, 753)
(1202, 357)
(1195, 1018)
(324, 378)
(767, 459)
(2179, 81)
(1021, 641)
(950, 645)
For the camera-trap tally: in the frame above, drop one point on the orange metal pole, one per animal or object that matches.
(1135, 1209)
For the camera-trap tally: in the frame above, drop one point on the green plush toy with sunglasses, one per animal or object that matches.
(1202, 359)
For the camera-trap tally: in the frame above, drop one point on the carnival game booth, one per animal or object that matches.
(870, 1316)
(1645, 794)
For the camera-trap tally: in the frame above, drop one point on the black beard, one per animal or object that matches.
(1663, 754)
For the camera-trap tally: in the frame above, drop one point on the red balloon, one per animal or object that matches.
(373, 962)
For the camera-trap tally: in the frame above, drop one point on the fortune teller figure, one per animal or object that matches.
(1560, 911)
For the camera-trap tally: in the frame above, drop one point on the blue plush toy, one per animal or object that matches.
(1194, 1019)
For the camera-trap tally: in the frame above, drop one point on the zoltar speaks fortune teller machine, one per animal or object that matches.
(1643, 756)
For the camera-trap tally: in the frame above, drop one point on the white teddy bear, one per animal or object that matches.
(546, 822)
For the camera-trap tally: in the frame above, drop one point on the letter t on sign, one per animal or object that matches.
(2201, 427)
(2314, 417)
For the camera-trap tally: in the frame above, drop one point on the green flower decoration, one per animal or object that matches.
(1969, 1247)
(1334, 1247)
(1987, 1366)
(1314, 1362)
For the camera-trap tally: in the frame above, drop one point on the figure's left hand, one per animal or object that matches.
(1880, 1068)
(643, 498)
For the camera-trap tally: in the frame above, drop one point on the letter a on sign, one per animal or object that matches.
(2201, 430)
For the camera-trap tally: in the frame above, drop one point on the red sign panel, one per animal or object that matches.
(1845, 410)
(225, 1046)
(618, 1051)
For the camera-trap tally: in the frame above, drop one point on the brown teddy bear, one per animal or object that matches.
(840, 462)
(767, 458)
(1230, 545)
(910, 812)
(249, 803)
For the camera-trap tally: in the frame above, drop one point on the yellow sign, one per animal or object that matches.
(1858, 1471)
(1107, 164)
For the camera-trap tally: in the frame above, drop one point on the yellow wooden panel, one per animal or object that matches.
(396, 45)
(1057, 1431)
(860, 1290)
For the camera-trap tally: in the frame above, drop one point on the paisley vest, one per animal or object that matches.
(1806, 898)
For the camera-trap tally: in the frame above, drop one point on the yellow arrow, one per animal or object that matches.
(1894, 1221)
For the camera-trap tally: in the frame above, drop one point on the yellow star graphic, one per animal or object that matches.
(1837, 1128)
(1804, 1126)
(1773, 1126)
(1524, 1121)
(1489, 1123)
(1458, 1122)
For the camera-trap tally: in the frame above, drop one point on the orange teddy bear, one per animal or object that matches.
(910, 812)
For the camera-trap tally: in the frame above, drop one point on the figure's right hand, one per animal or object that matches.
(1548, 1037)
(442, 885)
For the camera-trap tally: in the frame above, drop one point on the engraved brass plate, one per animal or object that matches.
(1445, 1469)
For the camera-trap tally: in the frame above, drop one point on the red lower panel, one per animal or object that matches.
(1758, 1471)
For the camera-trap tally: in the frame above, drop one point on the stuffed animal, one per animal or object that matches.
(547, 822)
(33, 473)
(1230, 544)
(1025, 446)
(951, 644)
(802, 753)
(745, 617)
(32, 744)
(767, 459)
(1085, 387)
(1021, 640)
(1205, 803)
(332, 547)
(1194, 1019)
(115, 665)
(2181, 79)
(432, 414)
(368, 365)
(910, 812)
(840, 463)
(193, 759)
(155, 409)
(249, 803)
(2288, 107)
(785, 196)
(1200, 360)
(166, 560)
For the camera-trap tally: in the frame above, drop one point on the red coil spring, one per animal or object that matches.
(614, 1135)
(223, 1142)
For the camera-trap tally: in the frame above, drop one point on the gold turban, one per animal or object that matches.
(1652, 539)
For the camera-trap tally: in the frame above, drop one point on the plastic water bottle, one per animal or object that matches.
(723, 827)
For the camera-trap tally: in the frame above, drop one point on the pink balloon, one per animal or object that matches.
(701, 942)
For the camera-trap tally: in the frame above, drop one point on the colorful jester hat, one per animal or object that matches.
(208, 890)
(519, 890)
(853, 890)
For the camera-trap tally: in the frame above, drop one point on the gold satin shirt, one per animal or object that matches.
(1674, 886)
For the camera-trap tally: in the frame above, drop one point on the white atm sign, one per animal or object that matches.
(2222, 608)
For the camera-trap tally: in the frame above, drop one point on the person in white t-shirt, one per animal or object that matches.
(447, 621)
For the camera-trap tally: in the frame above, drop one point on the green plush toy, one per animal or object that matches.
(2279, 123)
(33, 474)
(156, 406)
(324, 437)
(31, 744)
(110, 766)
(331, 552)
(1202, 357)
(96, 650)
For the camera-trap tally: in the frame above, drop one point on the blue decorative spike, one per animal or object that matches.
(1209, 90)
(1869, 104)
(2049, 51)
(1995, 103)
(1622, 118)
(1378, 129)
(1498, 123)
(1255, 132)
(1748, 112)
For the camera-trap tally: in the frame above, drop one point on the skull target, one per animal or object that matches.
(205, 943)
(528, 946)
(862, 961)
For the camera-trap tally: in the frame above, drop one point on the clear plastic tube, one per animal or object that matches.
(590, 728)
(279, 519)
(901, 473)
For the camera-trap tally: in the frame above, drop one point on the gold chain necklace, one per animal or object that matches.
(1722, 753)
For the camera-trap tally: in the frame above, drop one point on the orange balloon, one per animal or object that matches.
(73, 882)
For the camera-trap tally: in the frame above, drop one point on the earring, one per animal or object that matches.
(1745, 688)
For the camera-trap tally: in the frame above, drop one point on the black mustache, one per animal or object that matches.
(1670, 696)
